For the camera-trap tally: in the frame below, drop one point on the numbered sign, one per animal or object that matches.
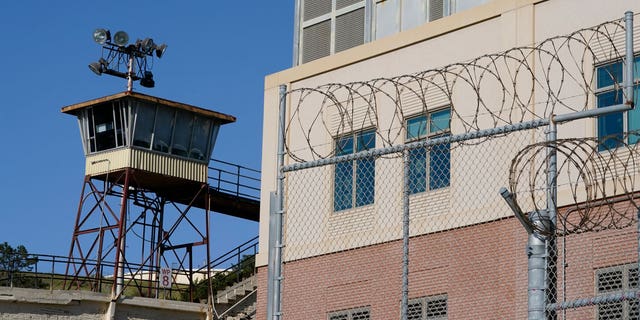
(165, 278)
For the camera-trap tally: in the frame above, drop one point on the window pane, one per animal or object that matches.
(104, 127)
(366, 140)
(416, 127)
(365, 181)
(145, 117)
(200, 138)
(414, 13)
(609, 74)
(417, 170)
(440, 121)
(365, 169)
(387, 18)
(344, 146)
(610, 125)
(440, 166)
(610, 311)
(182, 134)
(163, 129)
(343, 186)
(634, 117)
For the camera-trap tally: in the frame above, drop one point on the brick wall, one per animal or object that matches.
(481, 268)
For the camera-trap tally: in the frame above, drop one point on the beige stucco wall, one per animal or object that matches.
(494, 27)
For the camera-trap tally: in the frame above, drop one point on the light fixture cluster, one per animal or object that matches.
(118, 53)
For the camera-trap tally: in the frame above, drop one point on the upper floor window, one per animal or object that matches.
(330, 26)
(429, 170)
(354, 181)
(326, 27)
(611, 127)
(104, 127)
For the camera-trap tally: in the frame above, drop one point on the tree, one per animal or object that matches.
(14, 260)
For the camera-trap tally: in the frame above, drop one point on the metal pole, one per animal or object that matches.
(274, 302)
(536, 252)
(130, 73)
(628, 75)
(405, 237)
(551, 215)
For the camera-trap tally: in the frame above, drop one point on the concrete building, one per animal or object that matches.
(343, 248)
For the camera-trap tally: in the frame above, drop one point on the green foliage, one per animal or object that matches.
(221, 280)
(14, 263)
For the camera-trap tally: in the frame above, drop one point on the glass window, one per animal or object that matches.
(182, 134)
(611, 127)
(163, 129)
(200, 138)
(143, 131)
(103, 123)
(429, 170)
(357, 175)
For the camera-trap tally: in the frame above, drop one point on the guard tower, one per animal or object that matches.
(145, 200)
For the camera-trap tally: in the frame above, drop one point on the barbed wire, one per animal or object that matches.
(598, 181)
(525, 83)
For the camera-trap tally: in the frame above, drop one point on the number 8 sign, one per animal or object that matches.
(165, 278)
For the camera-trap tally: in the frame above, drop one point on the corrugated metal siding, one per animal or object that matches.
(166, 165)
(316, 41)
(315, 8)
(101, 163)
(349, 30)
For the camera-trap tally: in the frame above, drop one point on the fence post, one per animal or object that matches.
(276, 220)
(405, 236)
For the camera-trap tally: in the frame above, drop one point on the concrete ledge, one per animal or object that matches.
(20, 303)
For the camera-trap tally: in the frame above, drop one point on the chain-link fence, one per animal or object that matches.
(395, 207)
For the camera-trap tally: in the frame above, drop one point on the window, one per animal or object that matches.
(351, 314)
(429, 170)
(354, 181)
(428, 308)
(616, 280)
(105, 127)
(608, 93)
(325, 27)
(172, 131)
(330, 26)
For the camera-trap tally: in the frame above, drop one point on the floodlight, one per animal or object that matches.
(99, 67)
(101, 36)
(160, 50)
(147, 80)
(148, 45)
(121, 38)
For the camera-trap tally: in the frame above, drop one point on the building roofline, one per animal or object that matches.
(74, 108)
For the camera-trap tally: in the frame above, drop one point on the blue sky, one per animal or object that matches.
(218, 55)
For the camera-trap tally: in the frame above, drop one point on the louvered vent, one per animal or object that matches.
(315, 8)
(345, 3)
(360, 315)
(437, 308)
(436, 9)
(610, 281)
(414, 310)
(349, 30)
(316, 41)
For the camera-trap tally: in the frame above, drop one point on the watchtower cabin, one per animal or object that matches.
(143, 154)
